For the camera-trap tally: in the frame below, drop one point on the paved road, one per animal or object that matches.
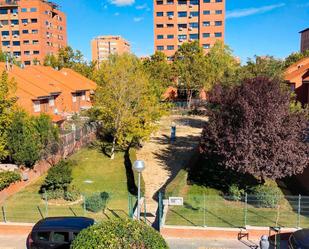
(13, 242)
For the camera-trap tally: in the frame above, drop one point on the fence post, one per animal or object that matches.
(246, 210)
(46, 204)
(84, 205)
(204, 209)
(130, 205)
(299, 210)
(160, 209)
(3, 213)
(145, 210)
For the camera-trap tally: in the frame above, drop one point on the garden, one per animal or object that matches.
(87, 184)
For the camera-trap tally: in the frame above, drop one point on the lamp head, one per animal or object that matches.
(139, 166)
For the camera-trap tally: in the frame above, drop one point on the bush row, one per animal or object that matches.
(97, 202)
(7, 178)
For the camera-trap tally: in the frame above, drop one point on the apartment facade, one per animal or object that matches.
(179, 21)
(304, 40)
(31, 29)
(103, 46)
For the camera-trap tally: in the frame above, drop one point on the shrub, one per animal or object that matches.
(235, 193)
(267, 195)
(119, 234)
(58, 177)
(97, 202)
(72, 194)
(7, 178)
(53, 194)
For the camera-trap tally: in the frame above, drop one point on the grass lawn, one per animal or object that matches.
(93, 172)
(207, 206)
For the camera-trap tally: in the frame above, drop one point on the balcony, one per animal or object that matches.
(9, 2)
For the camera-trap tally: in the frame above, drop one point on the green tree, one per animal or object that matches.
(190, 65)
(160, 72)
(23, 140)
(294, 57)
(221, 65)
(124, 100)
(7, 109)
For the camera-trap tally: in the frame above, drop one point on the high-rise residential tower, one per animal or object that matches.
(304, 40)
(103, 46)
(31, 29)
(179, 21)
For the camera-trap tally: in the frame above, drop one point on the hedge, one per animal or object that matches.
(7, 178)
(119, 233)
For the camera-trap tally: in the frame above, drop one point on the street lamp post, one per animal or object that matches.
(139, 166)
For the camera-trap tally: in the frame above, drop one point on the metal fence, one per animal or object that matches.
(31, 207)
(228, 211)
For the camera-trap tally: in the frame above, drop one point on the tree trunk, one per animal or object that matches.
(189, 98)
(262, 179)
(113, 149)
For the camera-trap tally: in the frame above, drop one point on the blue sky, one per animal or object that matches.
(253, 27)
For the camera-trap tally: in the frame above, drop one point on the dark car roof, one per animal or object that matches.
(67, 223)
(302, 237)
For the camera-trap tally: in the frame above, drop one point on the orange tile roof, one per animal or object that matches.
(297, 73)
(69, 72)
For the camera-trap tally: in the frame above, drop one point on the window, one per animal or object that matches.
(26, 42)
(193, 36)
(182, 14)
(182, 2)
(33, 9)
(15, 22)
(206, 12)
(170, 47)
(16, 43)
(206, 1)
(5, 43)
(51, 101)
(160, 48)
(36, 52)
(14, 11)
(170, 36)
(194, 2)
(206, 46)
(206, 35)
(24, 21)
(218, 23)
(182, 26)
(159, 37)
(4, 22)
(159, 2)
(170, 2)
(41, 236)
(159, 13)
(3, 11)
(26, 52)
(15, 32)
(5, 33)
(73, 98)
(83, 96)
(219, 34)
(194, 13)
(25, 31)
(60, 237)
(159, 25)
(206, 24)
(170, 13)
(34, 31)
(170, 25)
(16, 53)
(34, 20)
(35, 42)
(182, 37)
(218, 1)
(193, 25)
(218, 12)
(23, 9)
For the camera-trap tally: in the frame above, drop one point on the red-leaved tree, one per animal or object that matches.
(252, 130)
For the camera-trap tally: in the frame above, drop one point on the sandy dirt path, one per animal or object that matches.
(164, 159)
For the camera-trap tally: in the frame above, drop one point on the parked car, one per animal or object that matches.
(56, 232)
(299, 239)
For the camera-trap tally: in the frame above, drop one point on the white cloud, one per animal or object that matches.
(252, 11)
(141, 7)
(122, 2)
(138, 19)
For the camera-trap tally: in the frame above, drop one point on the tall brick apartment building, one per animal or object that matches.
(31, 29)
(103, 46)
(304, 40)
(179, 21)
